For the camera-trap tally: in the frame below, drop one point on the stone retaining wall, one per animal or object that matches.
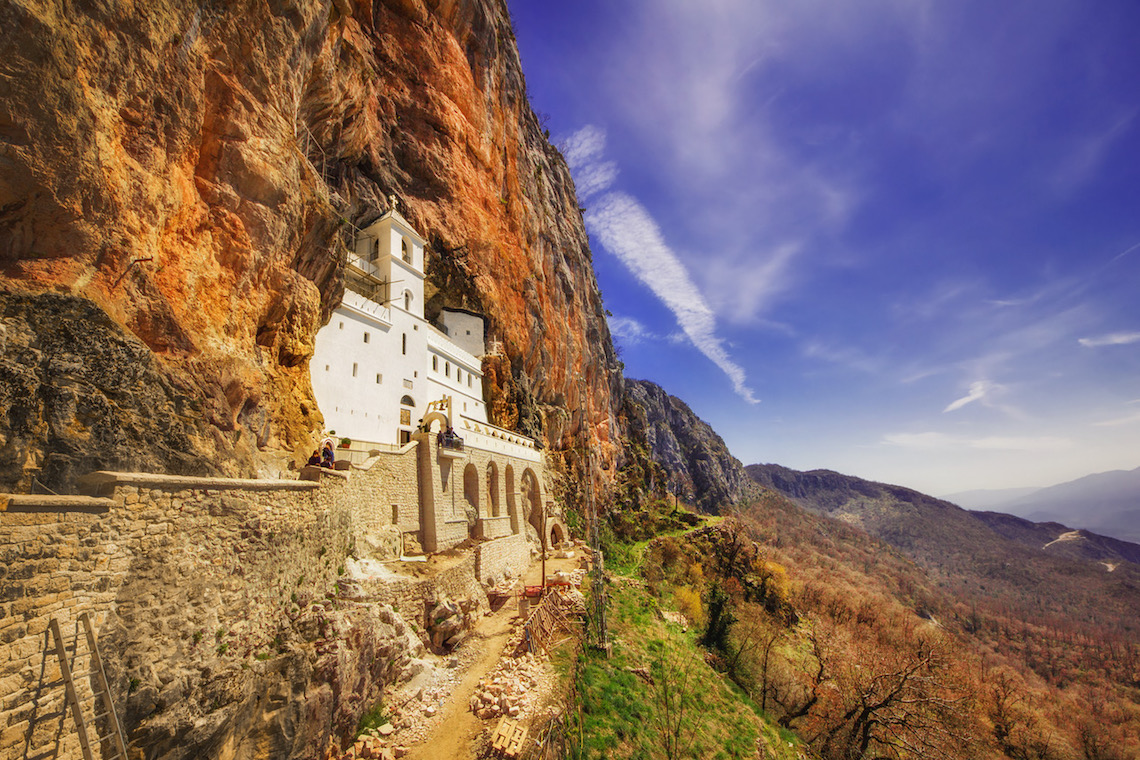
(495, 560)
(185, 580)
(411, 596)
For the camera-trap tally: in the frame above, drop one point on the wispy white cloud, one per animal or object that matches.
(584, 146)
(845, 356)
(1111, 339)
(1128, 419)
(592, 179)
(630, 330)
(625, 229)
(917, 440)
(978, 391)
(1089, 153)
(1021, 443)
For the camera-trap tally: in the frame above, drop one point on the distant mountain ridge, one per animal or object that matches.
(1106, 502)
(1047, 570)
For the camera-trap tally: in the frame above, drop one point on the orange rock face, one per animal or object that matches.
(194, 173)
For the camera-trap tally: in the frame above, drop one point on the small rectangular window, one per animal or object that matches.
(435, 364)
(379, 378)
(458, 375)
(341, 326)
(447, 369)
(326, 368)
(404, 343)
(354, 369)
(365, 337)
(469, 381)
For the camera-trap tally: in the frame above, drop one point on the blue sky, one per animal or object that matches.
(899, 239)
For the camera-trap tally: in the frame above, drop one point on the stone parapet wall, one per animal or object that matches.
(494, 527)
(502, 558)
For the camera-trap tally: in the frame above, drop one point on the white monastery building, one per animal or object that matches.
(380, 368)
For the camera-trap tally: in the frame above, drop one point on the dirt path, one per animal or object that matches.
(454, 736)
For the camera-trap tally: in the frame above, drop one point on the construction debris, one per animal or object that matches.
(506, 690)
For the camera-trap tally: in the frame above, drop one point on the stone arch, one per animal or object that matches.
(557, 535)
(512, 502)
(431, 417)
(471, 486)
(493, 488)
(532, 499)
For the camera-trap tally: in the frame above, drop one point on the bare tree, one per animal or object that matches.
(799, 690)
(906, 700)
(673, 699)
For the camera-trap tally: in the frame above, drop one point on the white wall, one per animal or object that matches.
(451, 371)
(465, 330)
(357, 405)
(359, 385)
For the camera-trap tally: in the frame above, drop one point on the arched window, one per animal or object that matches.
(407, 300)
(407, 401)
(405, 251)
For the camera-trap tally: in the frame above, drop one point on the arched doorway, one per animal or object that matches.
(404, 431)
(512, 502)
(493, 488)
(532, 506)
(471, 486)
(556, 535)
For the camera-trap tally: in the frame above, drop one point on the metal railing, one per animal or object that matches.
(452, 442)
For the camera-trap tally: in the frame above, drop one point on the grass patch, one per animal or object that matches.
(374, 717)
(688, 711)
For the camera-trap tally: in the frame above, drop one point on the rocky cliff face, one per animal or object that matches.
(187, 175)
(700, 468)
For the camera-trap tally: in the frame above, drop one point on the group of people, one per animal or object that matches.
(325, 456)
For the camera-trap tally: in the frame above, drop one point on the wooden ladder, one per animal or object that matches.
(99, 686)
